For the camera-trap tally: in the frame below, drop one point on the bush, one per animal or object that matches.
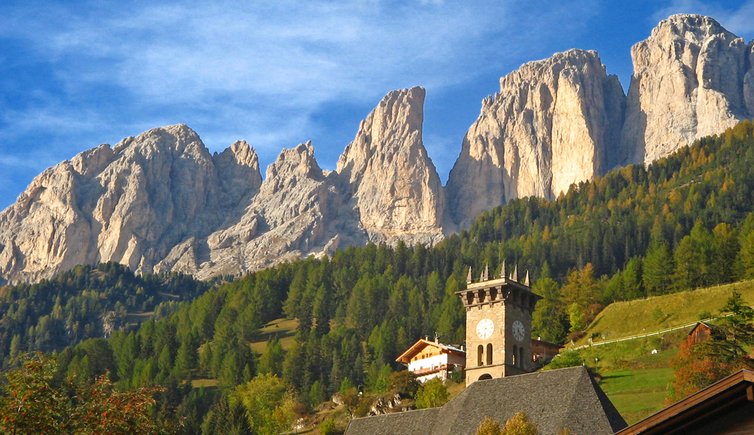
(568, 358)
(328, 427)
(432, 394)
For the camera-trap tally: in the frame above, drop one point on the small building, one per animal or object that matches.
(725, 407)
(432, 359)
(553, 400)
(701, 332)
(542, 352)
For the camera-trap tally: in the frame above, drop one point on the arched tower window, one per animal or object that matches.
(489, 354)
(520, 356)
(514, 359)
(479, 355)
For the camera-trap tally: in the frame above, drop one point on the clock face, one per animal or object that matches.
(518, 330)
(485, 328)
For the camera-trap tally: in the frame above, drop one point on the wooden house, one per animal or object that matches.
(432, 359)
(702, 331)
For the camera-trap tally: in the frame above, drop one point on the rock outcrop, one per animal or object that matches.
(692, 78)
(396, 189)
(548, 127)
(298, 211)
(130, 204)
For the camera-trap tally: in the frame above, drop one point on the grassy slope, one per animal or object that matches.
(283, 329)
(635, 379)
(622, 319)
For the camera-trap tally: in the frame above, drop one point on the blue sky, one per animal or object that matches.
(76, 74)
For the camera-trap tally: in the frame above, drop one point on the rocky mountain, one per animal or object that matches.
(563, 120)
(160, 201)
(395, 186)
(548, 127)
(692, 78)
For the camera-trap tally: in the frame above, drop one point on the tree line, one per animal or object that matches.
(85, 302)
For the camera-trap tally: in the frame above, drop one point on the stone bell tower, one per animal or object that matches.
(498, 325)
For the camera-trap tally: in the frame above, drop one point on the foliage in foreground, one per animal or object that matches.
(519, 424)
(431, 394)
(724, 352)
(32, 401)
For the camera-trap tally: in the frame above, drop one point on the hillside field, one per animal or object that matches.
(641, 316)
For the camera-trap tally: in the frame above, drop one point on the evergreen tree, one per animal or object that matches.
(549, 320)
(658, 269)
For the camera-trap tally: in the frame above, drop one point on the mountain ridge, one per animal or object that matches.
(160, 201)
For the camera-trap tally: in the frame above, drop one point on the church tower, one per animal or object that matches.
(498, 325)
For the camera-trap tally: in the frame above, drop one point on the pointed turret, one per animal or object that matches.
(485, 276)
(526, 279)
(468, 277)
(514, 275)
(502, 271)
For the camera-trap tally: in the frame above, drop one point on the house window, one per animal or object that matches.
(489, 354)
(479, 355)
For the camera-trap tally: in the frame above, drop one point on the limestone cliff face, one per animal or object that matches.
(395, 186)
(161, 202)
(296, 212)
(692, 78)
(548, 127)
(130, 203)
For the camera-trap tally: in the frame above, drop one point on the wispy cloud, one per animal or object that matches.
(263, 71)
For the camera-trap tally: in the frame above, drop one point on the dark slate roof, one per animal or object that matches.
(556, 399)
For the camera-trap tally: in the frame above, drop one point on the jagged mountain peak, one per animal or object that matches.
(547, 128)
(298, 161)
(692, 78)
(692, 27)
(568, 58)
(394, 124)
(244, 153)
(394, 182)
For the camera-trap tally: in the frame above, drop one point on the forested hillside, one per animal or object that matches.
(85, 302)
(683, 222)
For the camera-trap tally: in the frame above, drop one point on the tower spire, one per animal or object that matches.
(486, 273)
(526, 279)
(468, 277)
(502, 270)
(514, 277)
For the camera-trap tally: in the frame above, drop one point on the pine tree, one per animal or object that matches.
(658, 269)
(549, 320)
(746, 256)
